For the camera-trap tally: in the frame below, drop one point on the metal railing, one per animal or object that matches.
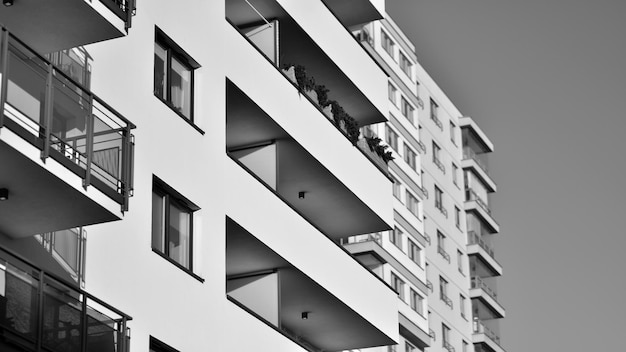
(477, 282)
(75, 63)
(446, 300)
(421, 147)
(432, 334)
(475, 238)
(443, 253)
(68, 248)
(64, 120)
(439, 164)
(442, 210)
(436, 121)
(40, 312)
(427, 238)
(480, 328)
(470, 195)
(469, 153)
(370, 237)
(429, 285)
(124, 9)
(448, 346)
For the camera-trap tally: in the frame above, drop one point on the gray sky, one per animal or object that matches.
(546, 80)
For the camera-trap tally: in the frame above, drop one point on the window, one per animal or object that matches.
(397, 189)
(410, 157)
(434, 110)
(407, 110)
(408, 347)
(158, 346)
(462, 300)
(398, 285)
(457, 217)
(173, 75)
(391, 93)
(405, 65)
(415, 253)
(455, 173)
(387, 43)
(443, 287)
(436, 152)
(395, 237)
(438, 198)
(391, 138)
(465, 346)
(445, 336)
(417, 302)
(412, 204)
(172, 225)
(459, 261)
(453, 132)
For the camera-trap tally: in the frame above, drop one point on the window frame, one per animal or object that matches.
(414, 252)
(412, 203)
(417, 304)
(405, 64)
(387, 44)
(171, 197)
(396, 188)
(438, 197)
(410, 157)
(174, 51)
(407, 110)
(453, 132)
(392, 93)
(391, 137)
(395, 279)
(395, 237)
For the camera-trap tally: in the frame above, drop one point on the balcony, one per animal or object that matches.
(64, 24)
(479, 247)
(486, 337)
(38, 311)
(355, 12)
(479, 289)
(57, 140)
(474, 203)
(478, 164)
(296, 296)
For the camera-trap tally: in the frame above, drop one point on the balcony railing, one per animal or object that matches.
(432, 334)
(442, 210)
(470, 194)
(421, 147)
(439, 164)
(477, 282)
(427, 238)
(480, 328)
(469, 153)
(370, 237)
(436, 121)
(64, 120)
(446, 300)
(448, 346)
(124, 9)
(475, 238)
(443, 253)
(429, 285)
(41, 312)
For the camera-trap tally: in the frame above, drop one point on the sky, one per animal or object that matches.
(546, 81)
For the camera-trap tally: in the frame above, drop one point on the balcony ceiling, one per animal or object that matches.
(40, 201)
(332, 325)
(328, 203)
(49, 26)
(297, 48)
(354, 12)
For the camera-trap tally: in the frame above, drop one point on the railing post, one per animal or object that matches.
(47, 114)
(40, 302)
(4, 64)
(127, 166)
(89, 144)
(83, 325)
(130, 9)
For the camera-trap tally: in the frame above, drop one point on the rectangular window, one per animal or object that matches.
(407, 110)
(457, 217)
(387, 43)
(173, 75)
(417, 302)
(172, 225)
(415, 253)
(443, 288)
(412, 204)
(434, 110)
(158, 346)
(455, 174)
(436, 152)
(391, 93)
(391, 138)
(405, 65)
(465, 346)
(462, 300)
(410, 157)
(441, 240)
(459, 261)
(453, 132)
(445, 335)
(397, 189)
(398, 285)
(438, 198)
(395, 237)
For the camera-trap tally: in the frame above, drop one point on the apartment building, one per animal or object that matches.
(442, 220)
(177, 176)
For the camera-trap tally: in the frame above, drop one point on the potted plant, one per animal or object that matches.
(352, 128)
(322, 95)
(376, 146)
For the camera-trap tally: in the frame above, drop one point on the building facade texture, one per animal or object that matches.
(214, 175)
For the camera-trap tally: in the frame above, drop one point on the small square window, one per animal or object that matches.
(173, 75)
(172, 224)
(158, 346)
